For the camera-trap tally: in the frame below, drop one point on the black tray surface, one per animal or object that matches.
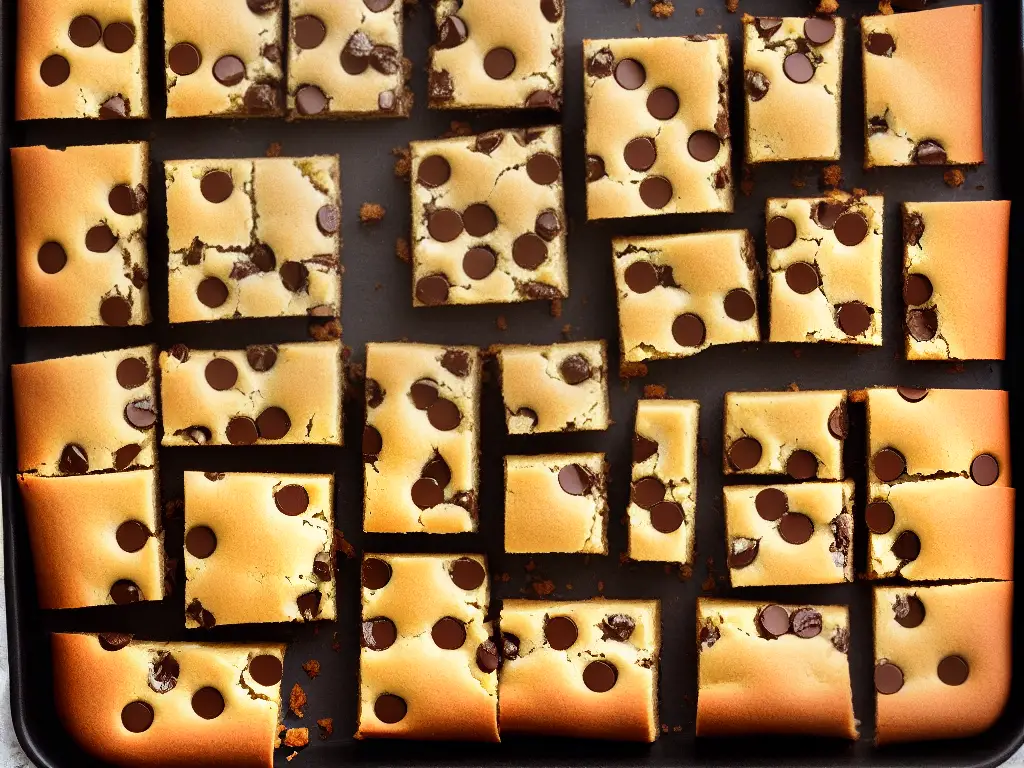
(377, 307)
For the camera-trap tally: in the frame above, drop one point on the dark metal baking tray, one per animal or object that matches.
(377, 307)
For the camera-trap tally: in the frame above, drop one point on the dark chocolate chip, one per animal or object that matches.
(922, 324)
(456, 362)
(666, 516)
(132, 536)
(208, 703)
(853, 318)
(913, 228)
(543, 168)
(452, 32)
(200, 541)
(908, 611)
(802, 465)
(479, 220)
(560, 632)
(308, 31)
(273, 423)
(294, 276)
(756, 85)
(771, 504)
(600, 676)
(292, 500)
(73, 460)
(663, 103)
(467, 574)
(575, 480)
(780, 232)
(888, 678)
(132, 372)
(444, 225)
(838, 422)
(984, 469)
(440, 87)
(806, 623)
(643, 448)
(125, 456)
(641, 277)
(888, 464)
(229, 70)
(802, 277)
(137, 717)
(448, 633)
(743, 552)
(487, 656)
(818, 30)
(310, 100)
(221, 374)
(385, 60)
(912, 394)
(647, 491)
(52, 258)
(929, 153)
(851, 229)
(745, 454)
(880, 517)
(184, 59)
(374, 393)
(703, 146)
(163, 674)
(216, 186)
(375, 573)
(600, 64)
(241, 430)
(261, 98)
(917, 289)
(379, 633)
(773, 621)
(479, 262)
(328, 220)
(877, 125)
(100, 239)
(953, 670)
(767, 26)
(426, 493)
(486, 143)
(54, 70)
(444, 415)
(547, 225)
(688, 330)
(212, 292)
(125, 592)
(630, 74)
(119, 37)
(739, 305)
(266, 670)
(432, 290)
(617, 626)
(433, 171)
(797, 67)
(390, 709)
(84, 31)
(261, 357)
(640, 153)
(576, 369)
(200, 615)
(509, 646)
(795, 528)
(595, 168)
(309, 605)
(880, 44)
(552, 10)
(122, 200)
(114, 641)
(499, 63)
(907, 546)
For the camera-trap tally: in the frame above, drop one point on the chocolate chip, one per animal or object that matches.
(84, 31)
(745, 454)
(547, 225)
(452, 32)
(432, 290)
(375, 573)
(125, 456)
(444, 225)
(851, 229)
(114, 641)
(739, 305)
(241, 430)
(756, 85)
(922, 324)
(221, 374)
(426, 493)
(617, 626)
(137, 717)
(630, 74)
(841, 639)
(907, 546)
(125, 592)
(328, 220)
(374, 393)
(261, 98)
(600, 676)
(132, 372)
(640, 153)
(853, 318)
(433, 171)
(795, 528)
(575, 369)
(384, 59)
(200, 615)
(827, 213)
(132, 536)
(929, 153)
(323, 568)
(877, 125)
(880, 517)
(379, 633)
(216, 186)
(839, 422)
(448, 633)
(444, 415)
(309, 605)
(643, 448)
(499, 63)
(917, 289)
(372, 443)
(294, 276)
(200, 541)
(773, 621)
(802, 277)
(780, 232)
(52, 258)
(552, 10)
(912, 394)
(208, 703)
(54, 70)
(456, 362)
(467, 574)
(798, 67)
(913, 228)
(953, 670)
(688, 330)
(888, 464)
(819, 31)
(184, 59)
(119, 37)
(806, 623)
(487, 658)
(743, 552)
(292, 500)
(703, 146)
(575, 480)
(663, 103)
(308, 31)
(880, 44)
(595, 168)
(100, 239)
(771, 504)
(560, 632)
(163, 674)
(666, 516)
(310, 100)
(641, 277)
(122, 201)
(647, 491)
(984, 469)
(802, 465)
(479, 220)
(888, 678)
(273, 423)
(440, 86)
(479, 262)
(378, 5)
(390, 709)
(212, 292)
(767, 26)
(543, 168)
(908, 611)
(266, 669)
(198, 435)
(73, 460)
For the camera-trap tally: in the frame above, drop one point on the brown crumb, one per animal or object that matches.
(342, 545)
(312, 668)
(296, 737)
(860, 192)
(556, 307)
(336, 643)
(530, 567)
(403, 162)
(326, 725)
(174, 508)
(708, 585)
(402, 250)
(566, 331)
(798, 181)
(793, 386)
(655, 391)
(685, 572)
(630, 370)
(371, 213)
(600, 587)
(501, 323)
(505, 578)
(329, 331)
(699, 11)
(859, 396)
(885, 7)
(954, 177)
(638, 27)
(832, 176)
(543, 587)
(458, 128)
(280, 729)
(732, 5)
(955, 368)
(292, 756)
(664, 728)
(747, 182)
(662, 9)
(677, 729)
(827, 6)
(274, 149)
(297, 700)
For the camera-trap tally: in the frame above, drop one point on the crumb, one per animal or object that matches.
(885, 7)
(336, 643)
(566, 331)
(543, 587)
(329, 331)
(662, 9)
(371, 213)
(859, 396)
(629, 370)
(458, 128)
(277, 740)
(747, 182)
(312, 668)
(655, 391)
(705, 446)
(174, 508)
(699, 11)
(292, 756)
(827, 6)
(600, 587)
(556, 307)
(955, 368)
(708, 585)
(732, 5)
(274, 149)
(297, 700)
(505, 578)
(859, 192)
(342, 545)
(629, 2)
(954, 177)
(685, 572)
(677, 729)
(798, 181)
(326, 725)
(568, 587)
(530, 567)
(980, 187)
(664, 728)
(832, 176)
(793, 386)
(403, 162)
(501, 323)
(638, 27)
(402, 250)
(296, 737)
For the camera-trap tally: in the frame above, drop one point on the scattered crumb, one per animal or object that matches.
(747, 182)
(336, 643)
(296, 737)
(677, 729)
(174, 508)
(566, 331)
(403, 162)
(685, 572)
(371, 213)
(292, 756)
(326, 725)
(628, 370)
(329, 331)
(708, 585)
(402, 250)
(832, 176)
(274, 149)
(458, 128)
(954, 177)
(827, 6)
(600, 587)
(655, 391)
(955, 368)
(569, 587)
(556, 307)
(860, 192)
(543, 587)
(793, 386)
(277, 740)
(530, 567)
(662, 9)
(699, 11)
(312, 668)
(885, 7)
(297, 700)
(505, 578)
(798, 181)
(859, 396)
(501, 323)
(342, 545)
(664, 728)
(732, 5)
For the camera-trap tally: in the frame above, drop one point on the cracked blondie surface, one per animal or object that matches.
(126, 700)
(825, 269)
(287, 519)
(421, 438)
(429, 658)
(223, 58)
(500, 55)
(793, 72)
(556, 503)
(96, 539)
(932, 530)
(680, 294)
(788, 660)
(81, 218)
(488, 218)
(657, 133)
(58, 436)
(581, 669)
(922, 87)
(799, 434)
(789, 534)
(923, 434)
(955, 306)
(253, 238)
(345, 59)
(663, 495)
(557, 388)
(284, 393)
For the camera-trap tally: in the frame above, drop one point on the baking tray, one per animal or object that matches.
(377, 307)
